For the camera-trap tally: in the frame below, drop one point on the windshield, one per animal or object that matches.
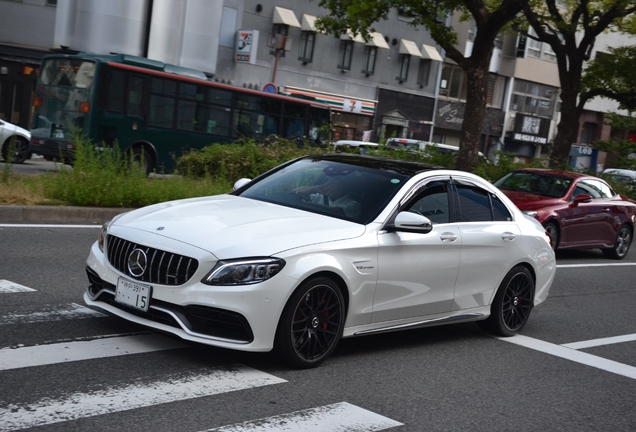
(346, 191)
(72, 73)
(535, 183)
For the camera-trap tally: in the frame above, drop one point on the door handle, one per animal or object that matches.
(508, 236)
(448, 237)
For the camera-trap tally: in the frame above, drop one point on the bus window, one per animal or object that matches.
(162, 103)
(135, 92)
(115, 91)
(255, 125)
(258, 103)
(219, 97)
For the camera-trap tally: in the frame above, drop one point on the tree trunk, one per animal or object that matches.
(475, 111)
(567, 132)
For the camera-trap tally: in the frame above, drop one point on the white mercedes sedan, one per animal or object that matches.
(323, 248)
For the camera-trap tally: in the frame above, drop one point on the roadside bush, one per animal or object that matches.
(243, 158)
(108, 178)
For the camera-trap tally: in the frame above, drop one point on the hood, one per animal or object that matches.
(233, 227)
(527, 201)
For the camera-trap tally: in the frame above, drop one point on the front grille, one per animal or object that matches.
(199, 320)
(162, 267)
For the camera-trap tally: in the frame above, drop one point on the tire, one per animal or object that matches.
(553, 231)
(311, 324)
(621, 244)
(141, 156)
(512, 305)
(22, 152)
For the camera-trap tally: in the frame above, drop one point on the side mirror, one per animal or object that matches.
(241, 182)
(412, 222)
(582, 198)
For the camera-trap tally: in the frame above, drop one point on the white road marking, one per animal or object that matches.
(12, 287)
(173, 388)
(40, 355)
(600, 342)
(339, 417)
(47, 226)
(51, 313)
(573, 355)
(595, 265)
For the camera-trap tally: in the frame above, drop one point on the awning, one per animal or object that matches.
(349, 36)
(377, 40)
(430, 53)
(409, 47)
(285, 16)
(308, 23)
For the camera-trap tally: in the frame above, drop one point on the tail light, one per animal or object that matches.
(37, 101)
(84, 107)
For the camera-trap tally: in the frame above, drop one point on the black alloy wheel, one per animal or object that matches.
(311, 324)
(621, 245)
(512, 305)
(21, 150)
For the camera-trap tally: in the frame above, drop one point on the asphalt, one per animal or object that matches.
(55, 215)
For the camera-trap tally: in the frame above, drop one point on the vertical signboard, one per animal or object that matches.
(246, 45)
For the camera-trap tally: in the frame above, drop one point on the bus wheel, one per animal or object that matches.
(141, 156)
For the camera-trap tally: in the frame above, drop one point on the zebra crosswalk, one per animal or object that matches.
(26, 408)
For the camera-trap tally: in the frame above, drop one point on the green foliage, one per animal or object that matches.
(505, 163)
(241, 159)
(107, 178)
(621, 148)
(612, 76)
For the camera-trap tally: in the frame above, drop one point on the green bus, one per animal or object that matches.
(156, 111)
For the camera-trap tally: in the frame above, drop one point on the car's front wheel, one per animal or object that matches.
(311, 324)
(512, 305)
(621, 244)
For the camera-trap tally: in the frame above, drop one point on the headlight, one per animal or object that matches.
(243, 271)
(531, 213)
(102, 236)
(104, 230)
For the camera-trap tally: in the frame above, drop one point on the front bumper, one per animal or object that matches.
(237, 317)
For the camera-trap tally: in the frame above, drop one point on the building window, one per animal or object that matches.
(345, 54)
(51, 2)
(496, 90)
(403, 67)
(281, 29)
(306, 50)
(534, 46)
(453, 84)
(424, 72)
(533, 98)
(370, 54)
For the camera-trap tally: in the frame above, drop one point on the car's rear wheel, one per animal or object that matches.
(512, 305)
(553, 231)
(621, 245)
(311, 324)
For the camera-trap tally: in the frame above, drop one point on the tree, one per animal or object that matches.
(571, 32)
(612, 76)
(621, 147)
(490, 18)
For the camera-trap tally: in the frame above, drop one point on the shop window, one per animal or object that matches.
(370, 54)
(453, 84)
(345, 54)
(306, 50)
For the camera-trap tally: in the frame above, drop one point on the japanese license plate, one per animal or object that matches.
(133, 294)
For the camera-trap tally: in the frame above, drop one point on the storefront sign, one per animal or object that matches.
(531, 129)
(246, 43)
(355, 106)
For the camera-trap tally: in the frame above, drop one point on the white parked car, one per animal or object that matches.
(10, 133)
(321, 248)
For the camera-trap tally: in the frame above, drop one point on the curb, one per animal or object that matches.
(57, 214)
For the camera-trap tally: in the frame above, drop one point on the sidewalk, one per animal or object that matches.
(57, 215)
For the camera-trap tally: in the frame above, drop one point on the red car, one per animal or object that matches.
(577, 210)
